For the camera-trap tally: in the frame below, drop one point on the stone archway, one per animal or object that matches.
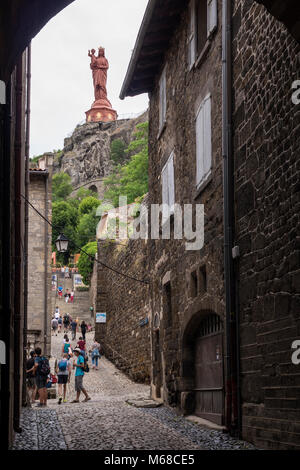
(202, 368)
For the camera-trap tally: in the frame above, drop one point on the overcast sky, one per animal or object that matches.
(62, 86)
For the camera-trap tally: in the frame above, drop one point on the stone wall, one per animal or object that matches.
(170, 261)
(267, 204)
(39, 262)
(125, 336)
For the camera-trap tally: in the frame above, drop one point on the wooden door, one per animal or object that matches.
(209, 381)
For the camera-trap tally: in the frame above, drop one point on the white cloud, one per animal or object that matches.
(62, 87)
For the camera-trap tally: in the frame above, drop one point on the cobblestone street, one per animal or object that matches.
(108, 422)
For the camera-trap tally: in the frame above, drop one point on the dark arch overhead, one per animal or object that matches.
(20, 21)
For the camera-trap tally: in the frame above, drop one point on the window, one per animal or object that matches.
(168, 304)
(168, 192)
(194, 284)
(203, 22)
(2, 92)
(203, 141)
(202, 280)
(162, 100)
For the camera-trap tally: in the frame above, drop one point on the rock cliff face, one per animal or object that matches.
(86, 154)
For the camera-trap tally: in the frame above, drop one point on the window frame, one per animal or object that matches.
(206, 175)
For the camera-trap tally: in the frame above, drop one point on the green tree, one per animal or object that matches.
(88, 204)
(61, 186)
(117, 151)
(82, 193)
(85, 263)
(64, 220)
(131, 180)
(86, 230)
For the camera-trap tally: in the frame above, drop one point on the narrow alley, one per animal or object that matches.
(108, 422)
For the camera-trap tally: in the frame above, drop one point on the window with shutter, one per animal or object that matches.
(212, 16)
(162, 100)
(168, 190)
(203, 22)
(2, 92)
(192, 36)
(203, 141)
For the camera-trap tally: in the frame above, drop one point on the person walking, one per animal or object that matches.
(73, 327)
(57, 313)
(60, 291)
(95, 354)
(79, 374)
(54, 324)
(59, 321)
(72, 296)
(63, 370)
(66, 322)
(67, 296)
(81, 345)
(30, 378)
(41, 370)
(83, 327)
(66, 348)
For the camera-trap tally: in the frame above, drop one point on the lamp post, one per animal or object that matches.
(62, 243)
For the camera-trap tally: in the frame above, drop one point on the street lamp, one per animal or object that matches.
(62, 243)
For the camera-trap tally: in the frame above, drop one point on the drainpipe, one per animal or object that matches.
(232, 406)
(18, 249)
(46, 268)
(27, 143)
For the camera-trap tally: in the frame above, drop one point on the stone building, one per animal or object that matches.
(20, 21)
(40, 297)
(224, 316)
(266, 133)
(125, 336)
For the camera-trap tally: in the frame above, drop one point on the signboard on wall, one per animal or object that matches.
(101, 317)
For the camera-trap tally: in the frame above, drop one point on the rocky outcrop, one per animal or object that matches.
(86, 154)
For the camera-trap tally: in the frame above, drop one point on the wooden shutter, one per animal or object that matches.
(192, 35)
(207, 136)
(203, 141)
(162, 99)
(171, 183)
(199, 145)
(2, 92)
(212, 15)
(164, 182)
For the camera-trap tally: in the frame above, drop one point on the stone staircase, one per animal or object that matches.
(80, 308)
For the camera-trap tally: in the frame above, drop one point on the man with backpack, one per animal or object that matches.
(41, 370)
(80, 366)
(63, 370)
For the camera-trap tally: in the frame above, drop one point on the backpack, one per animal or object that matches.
(44, 367)
(86, 365)
(66, 347)
(62, 365)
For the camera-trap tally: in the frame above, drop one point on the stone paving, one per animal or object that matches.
(107, 422)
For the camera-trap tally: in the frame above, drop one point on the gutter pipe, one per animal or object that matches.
(233, 418)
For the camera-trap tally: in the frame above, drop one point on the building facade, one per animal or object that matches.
(122, 294)
(224, 132)
(40, 308)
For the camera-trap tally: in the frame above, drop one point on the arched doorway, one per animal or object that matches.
(203, 366)
(94, 189)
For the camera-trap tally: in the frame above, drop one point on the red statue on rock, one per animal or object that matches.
(101, 108)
